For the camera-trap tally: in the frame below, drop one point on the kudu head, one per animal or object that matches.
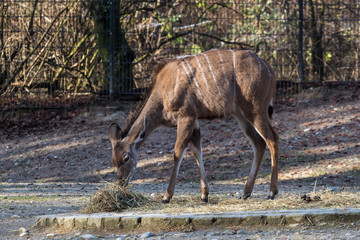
(124, 152)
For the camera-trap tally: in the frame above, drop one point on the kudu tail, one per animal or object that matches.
(271, 107)
(270, 111)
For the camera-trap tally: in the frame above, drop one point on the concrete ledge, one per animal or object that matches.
(132, 221)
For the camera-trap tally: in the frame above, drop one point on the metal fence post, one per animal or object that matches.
(112, 35)
(300, 50)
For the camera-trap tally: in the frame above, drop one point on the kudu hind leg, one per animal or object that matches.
(264, 128)
(195, 144)
(184, 133)
(258, 145)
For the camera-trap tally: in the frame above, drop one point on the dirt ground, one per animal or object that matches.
(51, 161)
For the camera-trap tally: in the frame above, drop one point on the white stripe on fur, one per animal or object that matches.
(192, 74)
(212, 72)
(202, 70)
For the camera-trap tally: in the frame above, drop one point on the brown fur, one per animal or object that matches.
(158, 67)
(134, 114)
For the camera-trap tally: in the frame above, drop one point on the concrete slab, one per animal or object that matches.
(130, 221)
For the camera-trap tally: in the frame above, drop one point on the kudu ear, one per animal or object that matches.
(114, 132)
(141, 135)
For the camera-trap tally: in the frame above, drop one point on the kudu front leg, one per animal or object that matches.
(184, 133)
(195, 144)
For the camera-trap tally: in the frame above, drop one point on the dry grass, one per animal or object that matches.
(225, 203)
(115, 198)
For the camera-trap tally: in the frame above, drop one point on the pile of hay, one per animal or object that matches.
(114, 198)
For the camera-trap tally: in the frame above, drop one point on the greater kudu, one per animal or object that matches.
(209, 85)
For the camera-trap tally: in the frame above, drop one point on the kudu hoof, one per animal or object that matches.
(245, 196)
(272, 195)
(165, 200)
(205, 199)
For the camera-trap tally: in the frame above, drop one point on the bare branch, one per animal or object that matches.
(17, 71)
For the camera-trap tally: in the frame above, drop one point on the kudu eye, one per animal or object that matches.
(126, 158)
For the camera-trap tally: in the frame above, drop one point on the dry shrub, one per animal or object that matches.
(114, 198)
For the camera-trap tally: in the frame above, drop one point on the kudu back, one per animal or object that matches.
(209, 85)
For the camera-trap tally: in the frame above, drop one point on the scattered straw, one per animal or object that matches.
(114, 198)
(257, 202)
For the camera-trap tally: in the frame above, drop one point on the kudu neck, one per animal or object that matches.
(149, 119)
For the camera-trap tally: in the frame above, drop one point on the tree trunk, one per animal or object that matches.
(316, 34)
(123, 54)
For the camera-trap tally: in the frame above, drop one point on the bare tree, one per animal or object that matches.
(123, 54)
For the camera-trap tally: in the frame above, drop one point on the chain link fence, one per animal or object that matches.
(63, 52)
